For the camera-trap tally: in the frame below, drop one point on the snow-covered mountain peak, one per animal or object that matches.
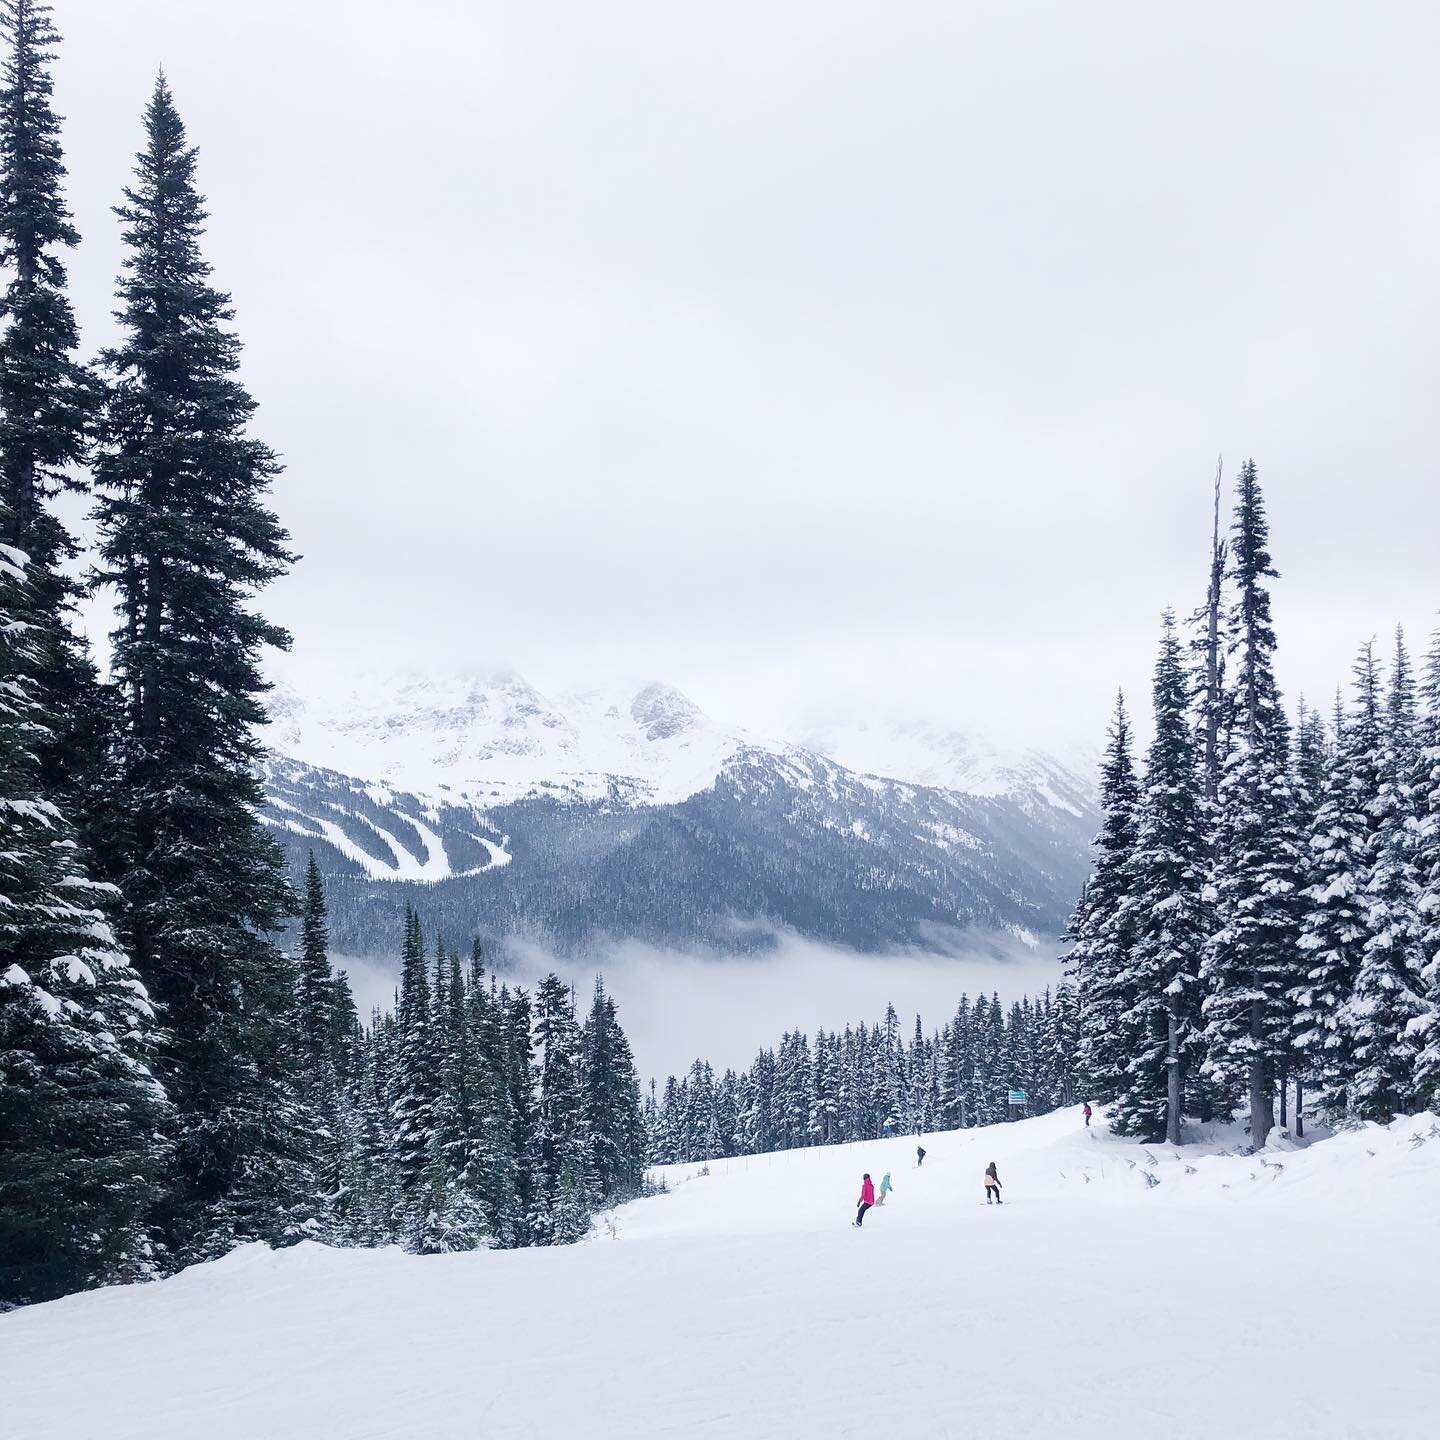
(493, 737)
(925, 753)
(662, 713)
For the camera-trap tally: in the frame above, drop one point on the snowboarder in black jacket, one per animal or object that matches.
(919, 1156)
(992, 1185)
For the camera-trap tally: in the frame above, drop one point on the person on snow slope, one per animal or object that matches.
(867, 1199)
(992, 1185)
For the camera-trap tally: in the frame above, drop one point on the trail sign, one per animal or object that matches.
(1017, 1097)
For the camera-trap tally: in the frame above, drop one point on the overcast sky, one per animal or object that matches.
(808, 353)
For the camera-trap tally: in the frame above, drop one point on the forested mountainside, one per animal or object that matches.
(692, 836)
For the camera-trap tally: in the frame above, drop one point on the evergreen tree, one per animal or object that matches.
(1165, 886)
(1101, 928)
(1386, 1010)
(612, 1103)
(563, 1198)
(519, 1069)
(46, 401)
(321, 1092)
(187, 541)
(1250, 969)
(1064, 1038)
(1425, 789)
(415, 1075)
(375, 1207)
(315, 986)
(490, 1162)
(79, 1105)
(1312, 772)
(1334, 925)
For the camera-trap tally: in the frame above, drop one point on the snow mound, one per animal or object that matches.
(1121, 1291)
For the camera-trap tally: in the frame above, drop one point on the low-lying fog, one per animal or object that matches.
(676, 1006)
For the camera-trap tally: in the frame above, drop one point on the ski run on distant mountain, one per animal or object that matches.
(630, 813)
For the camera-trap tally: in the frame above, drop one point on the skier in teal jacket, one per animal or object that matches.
(885, 1188)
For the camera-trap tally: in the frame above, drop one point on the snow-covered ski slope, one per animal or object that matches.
(1294, 1295)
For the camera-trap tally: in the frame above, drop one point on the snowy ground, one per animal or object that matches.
(1298, 1295)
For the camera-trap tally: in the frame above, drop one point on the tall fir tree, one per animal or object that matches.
(1313, 759)
(1250, 963)
(187, 541)
(612, 1103)
(1064, 1039)
(1165, 885)
(1386, 1010)
(416, 1071)
(1102, 927)
(316, 988)
(47, 399)
(519, 1065)
(564, 1196)
(492, 1166)
(1334, 925)
(1425, 789)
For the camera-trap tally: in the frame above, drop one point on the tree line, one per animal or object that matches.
(473, 1114)
(867, 1081)
(1262, 923)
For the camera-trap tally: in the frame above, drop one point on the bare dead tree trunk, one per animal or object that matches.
(1211, 740)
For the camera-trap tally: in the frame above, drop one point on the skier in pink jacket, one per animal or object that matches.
(867, 1199)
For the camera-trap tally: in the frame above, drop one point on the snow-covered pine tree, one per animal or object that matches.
(80, 1109)
(918, 1066)
(759, 1130)
(1100, 929)
(1425, 789)
(1164, 891)
(824, 1092)
(1333, 924)
(454, 1216)
(377, 1215)
(792, 1091)
(1250, 964)
(330, 1125)
(892, 1072)
(564, 1189)
(46, 401)
(415, 1073)
(1312, 772)
(1064, 1040)
(612, 1103)
(515, 1014)
(187, 542)
(314, 985)
(1386, 1009)
(490, 1166)
(654, 1133)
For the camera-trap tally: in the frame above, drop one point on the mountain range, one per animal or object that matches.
(628, 814)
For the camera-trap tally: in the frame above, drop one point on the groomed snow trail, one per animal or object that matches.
(1298, 1297)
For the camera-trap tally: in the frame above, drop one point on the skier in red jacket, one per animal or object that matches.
(1087, 1114)
(867, 1199)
